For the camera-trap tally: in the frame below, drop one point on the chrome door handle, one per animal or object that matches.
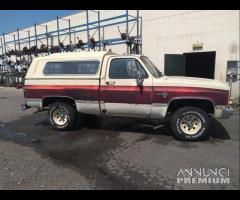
(110, 82)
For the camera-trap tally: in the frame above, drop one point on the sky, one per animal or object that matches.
(10, 20)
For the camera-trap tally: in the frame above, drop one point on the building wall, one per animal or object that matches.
(174, 32)
(169, 32)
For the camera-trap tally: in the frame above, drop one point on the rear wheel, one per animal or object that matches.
(62, 116)
(189, 123)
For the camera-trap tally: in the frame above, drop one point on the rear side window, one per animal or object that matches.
(57, 68)
(78, 67)
(84, 67)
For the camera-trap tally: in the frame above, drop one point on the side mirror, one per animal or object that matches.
(139, 79)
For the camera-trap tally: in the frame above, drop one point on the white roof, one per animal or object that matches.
(78, 55)
(75, 55)
(82, 54)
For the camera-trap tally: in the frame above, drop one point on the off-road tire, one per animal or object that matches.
(71, 116)
(177, 121)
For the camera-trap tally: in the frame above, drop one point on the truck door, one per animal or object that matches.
(120, 92)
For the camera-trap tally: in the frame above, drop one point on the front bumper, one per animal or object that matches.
(224, 112)
(227, 112)
(24, 107)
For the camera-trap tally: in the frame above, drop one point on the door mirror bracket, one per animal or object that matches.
(139, 79)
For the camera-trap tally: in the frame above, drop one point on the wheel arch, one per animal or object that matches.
(48, 100)
(204, 103)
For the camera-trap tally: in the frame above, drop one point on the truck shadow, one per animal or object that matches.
(118, 124)
(132, 125)
(217, 130)
(38, 125)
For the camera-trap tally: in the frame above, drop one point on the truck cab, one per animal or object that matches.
(104, 83)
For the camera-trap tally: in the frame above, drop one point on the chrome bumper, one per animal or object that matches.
(227, 112)
(223, 112)
(31, 103)
(24, 107)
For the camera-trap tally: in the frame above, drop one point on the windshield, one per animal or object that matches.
(152, 68)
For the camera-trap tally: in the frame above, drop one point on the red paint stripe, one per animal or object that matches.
(126, 94)
(219, 97)
(125, 88)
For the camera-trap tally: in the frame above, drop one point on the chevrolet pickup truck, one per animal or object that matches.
(108, 84)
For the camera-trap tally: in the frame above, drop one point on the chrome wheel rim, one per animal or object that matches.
(60, 116)
(190, 124)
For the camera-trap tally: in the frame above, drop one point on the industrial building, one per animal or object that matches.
(196, 43)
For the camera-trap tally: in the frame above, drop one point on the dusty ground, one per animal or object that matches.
(121, 154)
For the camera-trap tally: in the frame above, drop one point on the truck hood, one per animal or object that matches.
(190, 82)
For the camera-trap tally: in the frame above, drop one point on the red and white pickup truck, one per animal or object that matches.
(104, 83)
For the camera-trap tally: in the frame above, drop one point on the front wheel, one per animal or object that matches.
(62, 116)
(189, 123)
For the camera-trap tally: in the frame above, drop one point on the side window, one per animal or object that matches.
(57, 68)
(126, 68)
(84, 67)
(78, 67)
